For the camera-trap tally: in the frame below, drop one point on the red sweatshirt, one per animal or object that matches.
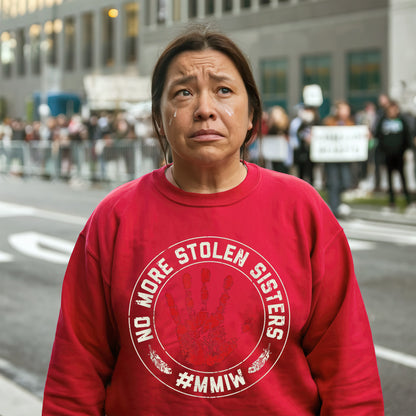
(240, 303)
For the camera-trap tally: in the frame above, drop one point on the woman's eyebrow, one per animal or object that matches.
(182, 80)
(220, 77)
(190, 78)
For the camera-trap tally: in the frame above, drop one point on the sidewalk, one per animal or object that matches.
(374, 207)
(16, 401)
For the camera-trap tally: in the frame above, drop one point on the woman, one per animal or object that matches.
(211, 286)
(338, 174)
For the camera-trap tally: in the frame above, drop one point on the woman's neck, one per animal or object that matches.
(206, 180)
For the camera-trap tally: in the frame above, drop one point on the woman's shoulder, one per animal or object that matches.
(125, 195)
(286, 182)
(294, 195)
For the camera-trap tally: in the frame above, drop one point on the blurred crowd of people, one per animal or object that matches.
(106, 135)
(391, 134)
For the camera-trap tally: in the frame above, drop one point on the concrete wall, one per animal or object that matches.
(402, 52)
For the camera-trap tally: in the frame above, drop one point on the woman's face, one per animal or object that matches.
(204, 108)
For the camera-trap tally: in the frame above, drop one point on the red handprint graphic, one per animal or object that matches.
(201, 335)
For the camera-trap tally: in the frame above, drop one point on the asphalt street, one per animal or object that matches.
(40, 220)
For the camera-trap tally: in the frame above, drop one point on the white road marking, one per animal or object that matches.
(15, 210)
(380, 232)
(395, 356)
(5, 257)
(41, 246)
(358, 245)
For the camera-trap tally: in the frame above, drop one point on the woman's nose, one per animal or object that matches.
(205, 107)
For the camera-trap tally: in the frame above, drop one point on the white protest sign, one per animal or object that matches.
(312, 95)
(275, 148)
(339, 144)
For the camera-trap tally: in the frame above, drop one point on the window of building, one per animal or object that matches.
(69, 32)
(317, 70)
(192, 8)
(364, 77)
(131, 31)
(264, 2)
(87, 40)
(51, 43)
(176, 10)
(34, 34)
(161, 11)
(245, 4)
(7, 53)
(274, 81)
(31, 5)
(5, 8)
(21, 6)
(20, 52)
(209, 7)
(107, 38)
(227, 5)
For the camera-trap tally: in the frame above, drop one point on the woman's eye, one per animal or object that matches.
(183, 93)
(224, 90)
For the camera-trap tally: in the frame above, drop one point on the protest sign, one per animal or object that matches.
(339, 144)
(275, 148)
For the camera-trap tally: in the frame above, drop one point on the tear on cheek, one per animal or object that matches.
(171, 118)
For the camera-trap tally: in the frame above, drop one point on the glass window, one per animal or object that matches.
(20, 52)
(31, 5)
(274, 81)
(192, 8)
(209, 7)
(8, 45)
(161, 11)
(22, 7)
(131, 31)
(108, 38)
(5, 8)
(227, 5)
(51, 43)
(69, 32)
(317, 70)
(245, 4)
(364, 77)
(34, 34)
(176, 10)
(87, 40)
(264, 2)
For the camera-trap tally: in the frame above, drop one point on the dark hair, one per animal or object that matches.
(200, 38)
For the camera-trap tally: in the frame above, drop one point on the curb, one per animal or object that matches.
(385, 215)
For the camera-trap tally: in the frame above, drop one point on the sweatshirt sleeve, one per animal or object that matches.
(84, 349)
(338, 342)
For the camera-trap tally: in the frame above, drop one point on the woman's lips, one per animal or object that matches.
(206, 135)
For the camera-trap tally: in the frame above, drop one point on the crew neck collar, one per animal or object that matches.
(228, 197)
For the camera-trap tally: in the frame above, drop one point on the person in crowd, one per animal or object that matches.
(394, 139)
(211, 286)
(309, 117)
(338, 174)
(367, 117)
(379, 162)
(278, 128)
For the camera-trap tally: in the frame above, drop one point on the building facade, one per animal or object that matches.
(353, 49)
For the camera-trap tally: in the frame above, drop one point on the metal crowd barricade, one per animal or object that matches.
(108, 161)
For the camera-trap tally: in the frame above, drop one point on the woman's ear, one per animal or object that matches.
(159, 126)
(250, 119)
